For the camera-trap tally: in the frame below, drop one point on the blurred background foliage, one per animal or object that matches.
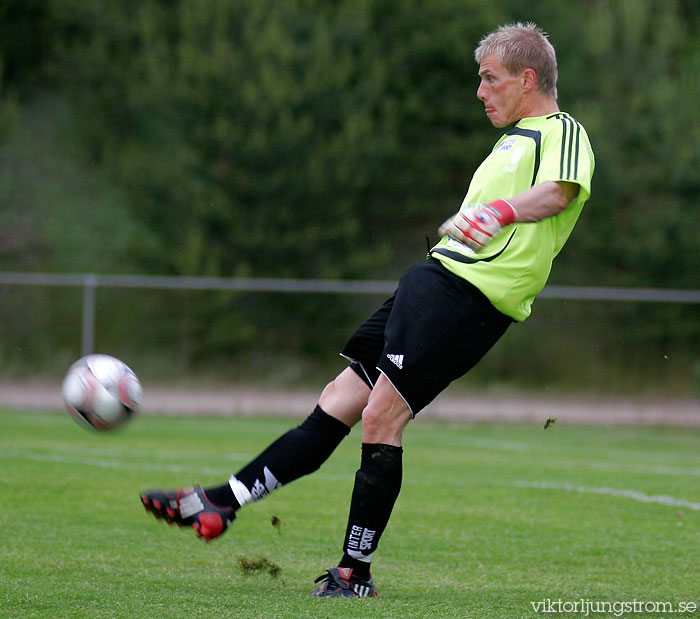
(322, 139)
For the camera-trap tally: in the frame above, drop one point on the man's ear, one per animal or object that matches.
(528, 79)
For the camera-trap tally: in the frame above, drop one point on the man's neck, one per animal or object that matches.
(540, 106)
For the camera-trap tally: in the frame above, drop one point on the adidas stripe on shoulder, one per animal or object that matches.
(570, 146)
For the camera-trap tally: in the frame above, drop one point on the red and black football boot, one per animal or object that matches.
(189, 507)
(340, 582)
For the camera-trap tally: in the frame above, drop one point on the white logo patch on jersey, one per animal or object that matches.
(515, 159)
(507, 144)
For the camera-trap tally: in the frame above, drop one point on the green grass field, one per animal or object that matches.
(491, 519)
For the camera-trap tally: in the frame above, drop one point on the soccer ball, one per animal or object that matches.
(101, 392)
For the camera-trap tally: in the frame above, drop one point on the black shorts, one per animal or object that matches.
(434, 329)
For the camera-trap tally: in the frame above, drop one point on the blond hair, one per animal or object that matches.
(523, 46)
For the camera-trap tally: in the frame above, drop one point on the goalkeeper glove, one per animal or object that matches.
(476, 224)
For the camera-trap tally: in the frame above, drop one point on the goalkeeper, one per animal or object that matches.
(494, 256)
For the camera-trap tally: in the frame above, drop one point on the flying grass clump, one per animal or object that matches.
(250, 565)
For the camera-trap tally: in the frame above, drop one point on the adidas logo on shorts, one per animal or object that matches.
(397, 360)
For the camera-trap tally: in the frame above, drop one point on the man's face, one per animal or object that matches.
(500, 91)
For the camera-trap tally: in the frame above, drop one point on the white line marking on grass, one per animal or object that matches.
(661, 499)
(151, 454)
(490, 443)
(485, 443)
(617, 467)
(117, 464)
(122, 465)
(653, 470)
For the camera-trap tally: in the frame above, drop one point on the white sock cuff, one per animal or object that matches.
(241, 493)
(359, 556)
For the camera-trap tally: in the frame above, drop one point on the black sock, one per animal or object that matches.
(298, 452)
(377, 485)
(222, 495)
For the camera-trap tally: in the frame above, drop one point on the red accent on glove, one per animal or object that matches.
(483, 223)
(477, 224)
(503, 211)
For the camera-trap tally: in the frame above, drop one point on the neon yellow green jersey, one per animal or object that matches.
(515, 265)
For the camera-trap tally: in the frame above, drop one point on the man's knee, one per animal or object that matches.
(345, 397)
(385, 416)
